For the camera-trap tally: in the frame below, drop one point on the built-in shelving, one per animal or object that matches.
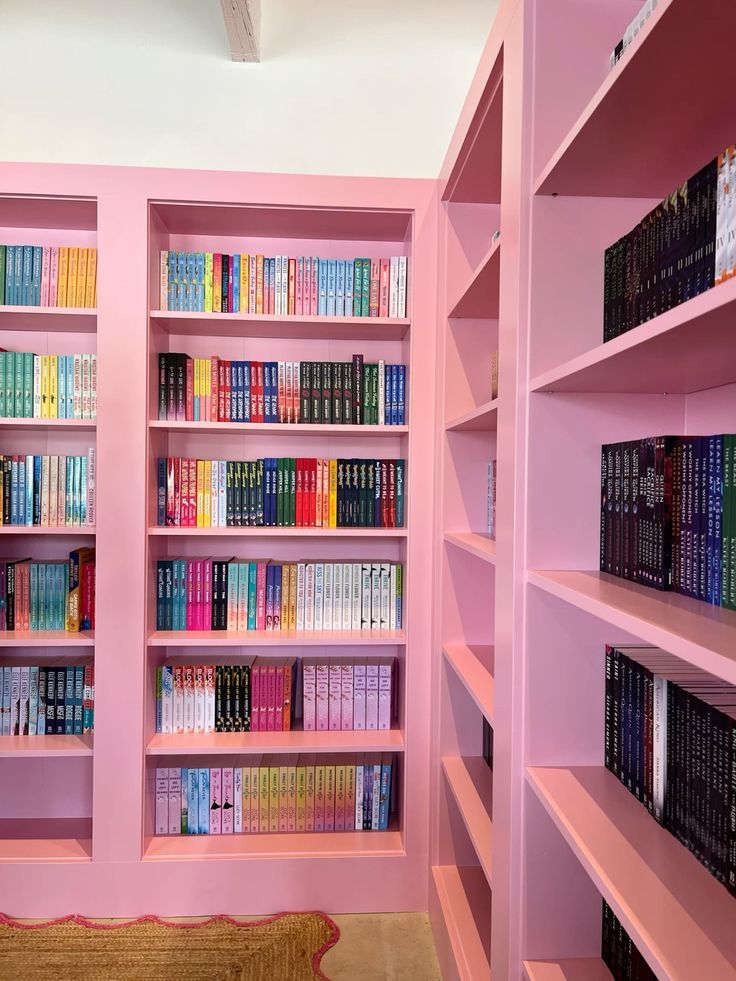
(295, 741)
(478, 297)
(272, 325)
(476, 543)
(45, 840)
(50, 425)
(45, 746)
(473, 664)
(471, 782)
(46, 638)
(277, 638)
(274, 532)
(323, 845)
(277, 429)
(464, 900)
(572, 969)
(481, 419)
(48, 319)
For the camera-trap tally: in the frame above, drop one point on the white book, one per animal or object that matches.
(33, 701)
(238, 801)
(77, 392)
(284, 284)
(242, 596)
(281, 390)
(93, 386)
(209, 698)
(163, 302)
(365, 596)
(329, 597)
(7, 674)
(174, 800)
(25, 691)
(381, 393)
(319, 595)
(392, 597)
(289, 392)
(375, 596)
(167, 699)
(359, 781)
(301, 571)
(385, 593)
(91, 486)
(53, 490)
(308, 596)
(14, 700)
(162, 800)
(85, 386)
(189, 699)
(199, 699)
(29, 489)
(277, 286)
(233, 581)
(337, 595)
(222, 491)
(659, 738)
(721, 266)
(402, 286)
(36, 386)
(393, 287)
(731, 214)
(347, 596)
(356, 602)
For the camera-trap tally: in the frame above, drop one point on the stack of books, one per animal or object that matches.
(48, 491)
(48, 386)
(43, 276)
(47, 700)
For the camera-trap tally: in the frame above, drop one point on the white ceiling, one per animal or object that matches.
(370, 87)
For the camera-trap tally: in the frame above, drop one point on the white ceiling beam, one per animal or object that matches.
(243, 23)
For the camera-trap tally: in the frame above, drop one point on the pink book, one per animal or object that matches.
(198, 588)
(215, 801)
(228, 801)
(383, 288)
(271, 699)
(314, 292)
(174, 800)
(261, 596)
(307, 285)
(206, 594)
(191, 618)
(188, 698)
(386, 669)
(255, 697)
(45, 275)
(322, 693)
(251, 284)
(335, 695)
(230, 285)
(371, 694)
(300, 285)
(359, 682)
(309, 693)
(278, 702)
(347, 720)
(53, 275)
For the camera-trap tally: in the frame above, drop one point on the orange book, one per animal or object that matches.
(63, 276)
(71, 280)
(263, 795)
(330, 794)
(255, 792)
(259, 284)
(90, 295)
(273, 794)
(301, 794)
(82, 277)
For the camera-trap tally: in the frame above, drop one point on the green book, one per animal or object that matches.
(365, 288)
(292, 492)
(280, 492)
(3, 401)
(9, 384)
(18, 393)
(357, 286)
(374, 394)
(2, 274)
(27, 385)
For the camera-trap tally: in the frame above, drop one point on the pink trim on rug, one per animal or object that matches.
(83, 921)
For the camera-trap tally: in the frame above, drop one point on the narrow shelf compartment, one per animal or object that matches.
(459, 892)
(64, 319)
(679, 32)
(474, 542)
(276, 428)
(697, 632)
(49, 424)
(471, 783)
(295, 741)
(275, 325)
(687, 349)
(469, 661)
(272, 532)
(277, 638)
(46, 638)
(677, 914)
(45, 840)
(319, 845)
(75, 531)
(45, 746)
(571, 969)
(479, 297)
(484, 418)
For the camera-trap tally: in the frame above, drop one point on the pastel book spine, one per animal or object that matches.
(241, 791)
(348, 696)
(175, 801)
(371, 695)
(228, 799)
(385, 792)
(309, 694)
(193, 796)
(386, 688)
(322, 699)
(204, 800)
(359, 792)
(359, 696)
(335, 696)
(162, 801)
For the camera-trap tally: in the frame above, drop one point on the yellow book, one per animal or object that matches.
(340, 781)
(45, 393)
(195, 385)
(273, 795)
(71, 279)
(245, 797)
(309, 803)
(333, 493)
(53, 386)
(90, 292)
(301, 795)
(244, 259)
(254, 797)
(207, 516)
(284, 612)
(292, 596)
(207, 389)
(291, 813)
(200, 493)
(350, 797)
(259, 284)
(82, 278)
(263, 796)
(330, 796)
(63, 276)
(319, 796)
(208, 282)
(284, 796)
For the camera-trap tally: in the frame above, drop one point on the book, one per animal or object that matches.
(38, 700)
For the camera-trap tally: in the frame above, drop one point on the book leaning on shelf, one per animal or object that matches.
(47, 700)
(237, 596)
(309, 286)
(278, 794)
(48, 491)
(295, 492)
(48, 276)
(328, 392)
(48, 594)
(47, 386)
(619, 953)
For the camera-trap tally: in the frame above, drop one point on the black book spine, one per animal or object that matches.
(50, 701)
(181, 386)
(229, 488)
(227, 698)
(355, 496)
(160, 606)
(626, 454)
(337, 393)
(327, 416)
(607, 739)
(316, 391)
(370, 517)
(617, 535)
(358, 389)
(162, 372)
(730, 776)
(363, 480)
(616, 713)
(638, 727)
(237, 493)
(60, 701)
(171, 386)
(305, 390)
(10, 596)
(237, 705)
(219, 707)
(7, 478)
(607, 262)
(259, 492)
(216, 595)
(347, 413)
(341, 493)
(374, 394)
(245, 696)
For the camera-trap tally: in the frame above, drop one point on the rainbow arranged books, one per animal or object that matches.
(277, 794)
(233, 595)
(215, 282)
(330, 392)
(281, 492)
(48, 386)
(46, 700)
(43, 276)
(48, 491)
(48, 595)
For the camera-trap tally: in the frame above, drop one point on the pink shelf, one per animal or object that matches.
(653, 101)
(471, 783)
(469, 661)
(45, 840)
(479, 297)
(699, 633)
(482, 419)
(474, 542)
(65, 319)
(296, 741)
(677, 914)
(276, 429)
(278, 638)
(75, 531)
(459, 892)
(45, 746)
(46, 638)
(270, 532)
(321, 845)
(48, 424)
(686, 349)
(573, 969)
(273, 325)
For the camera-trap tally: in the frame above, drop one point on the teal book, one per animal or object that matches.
(3, 400)
(35, 292)
(18, 277)
(61, 386)
(252, 575)
(41, 596)
(27, 385)
(33, 582)
(2, 275)
(185, 800)
(83, 491)
(70, 386)
(9, 384)
(77, 507)
(27, 276)
(18, 387)
(10, 275)
(68, 510)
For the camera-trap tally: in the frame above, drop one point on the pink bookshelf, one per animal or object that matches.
(296, 741)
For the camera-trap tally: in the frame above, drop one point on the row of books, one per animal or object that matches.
(48, 276)
(48, 595)
(277, 794)
(331, 392)
(619, 952)
(670, 738)
(47, 386)
(280, 492)
(215, 282)
(632, 31)
(47, 700)
(48, 491)
(680, 249)
(668, 514)
(233, 595)
(261, 694)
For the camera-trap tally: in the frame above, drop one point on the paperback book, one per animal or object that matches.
(47, 386)
(48, 491)
(50, 699)
(48, 594)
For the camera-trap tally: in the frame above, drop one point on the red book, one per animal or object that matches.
(189, 391)
(221, 391)
(384, 494)
(292, 285)
(278, 701)
(391, 494)
(259, 378)
(228, 379)
(214, 390)
(312, 494)
(299, 493)
(88, 596)
(373, 303)
(287, 696)
(383, 288)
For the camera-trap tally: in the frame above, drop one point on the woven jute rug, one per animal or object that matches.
(287, 947)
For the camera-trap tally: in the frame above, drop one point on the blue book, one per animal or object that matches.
(199, 282)
(349, 276)
(246, 391)
(79, 698)
(401, 395)
(340, 289)
(385, 799)
(36, 276)
(69, 702)
(331, 286)
(22, 492)
(61, 386)
(274, 414)
(184, 800)
(172, 274)
(182, 594)
(69, 515)
(252, 570)
(236, 283)
(70, 386)
(83, 491)
(269, 595)
(181, 281)
(28, 475)
(241, 391)
(10, 275)
(322, 288)
(204, 800)
(37, 490)
(193, 801)
(27, 281)
(268, 510)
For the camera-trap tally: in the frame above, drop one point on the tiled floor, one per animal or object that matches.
(382, 947)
